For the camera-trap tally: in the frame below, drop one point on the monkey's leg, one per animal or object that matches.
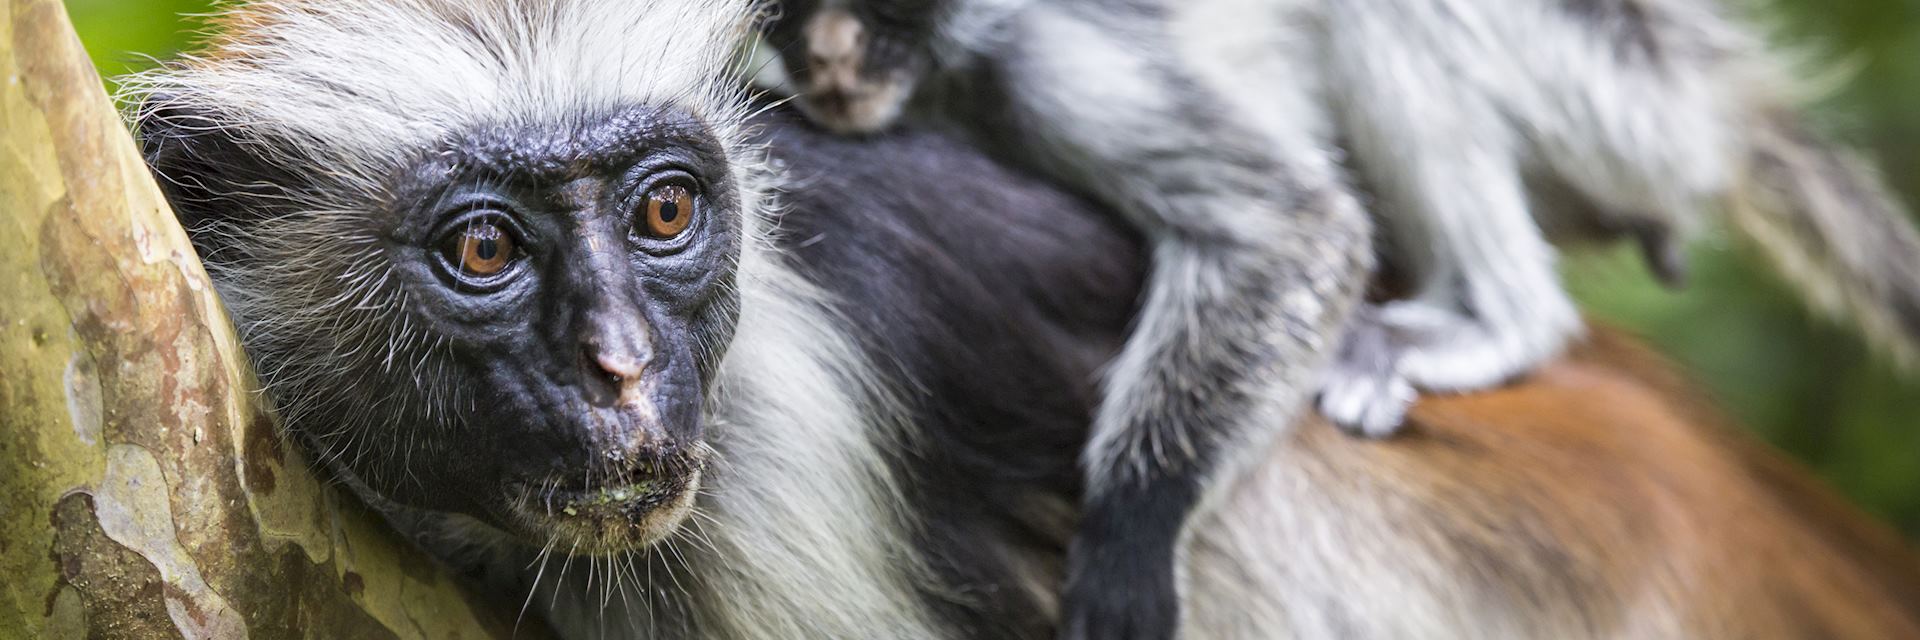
(1488, 304)
(1492, 306)
(1260, 252)
(1645, 145)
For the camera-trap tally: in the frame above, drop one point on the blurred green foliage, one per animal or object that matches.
(128, 35)
(1800, 382)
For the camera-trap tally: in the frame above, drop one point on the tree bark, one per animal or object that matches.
(144, 490)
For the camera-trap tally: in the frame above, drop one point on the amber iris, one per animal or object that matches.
(481, 249)
(669, 211)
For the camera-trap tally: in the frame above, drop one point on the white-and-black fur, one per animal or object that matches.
(1482, 129)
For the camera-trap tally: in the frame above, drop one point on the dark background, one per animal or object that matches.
(1799, 382)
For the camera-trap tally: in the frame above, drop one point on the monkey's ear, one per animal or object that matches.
(206, 170)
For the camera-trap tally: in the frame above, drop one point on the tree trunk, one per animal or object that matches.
(144, 490)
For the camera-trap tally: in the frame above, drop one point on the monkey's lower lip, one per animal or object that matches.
(609, 520)
(632, 511)
(631, 500)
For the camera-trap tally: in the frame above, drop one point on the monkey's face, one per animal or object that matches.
(520, 325)
(854, 67)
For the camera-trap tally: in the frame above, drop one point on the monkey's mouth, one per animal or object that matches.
(862, 108)
(611, 513)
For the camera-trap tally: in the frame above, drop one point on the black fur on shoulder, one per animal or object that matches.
(983, 289)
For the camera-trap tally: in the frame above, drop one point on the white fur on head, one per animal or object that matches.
(368, 80)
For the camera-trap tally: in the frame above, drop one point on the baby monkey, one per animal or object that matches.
(1483, 130)
(1260, 251)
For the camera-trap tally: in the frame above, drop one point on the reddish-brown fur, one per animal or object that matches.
(1599, 498)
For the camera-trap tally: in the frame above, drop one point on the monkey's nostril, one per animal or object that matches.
(609, 375)
(619, 367)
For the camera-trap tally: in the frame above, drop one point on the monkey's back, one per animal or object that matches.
(1600, 498)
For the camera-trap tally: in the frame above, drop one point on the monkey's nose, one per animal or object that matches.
(619, 367)
(612, 376)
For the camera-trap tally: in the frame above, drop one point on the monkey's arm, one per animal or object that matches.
(1258, 254)
(1447, 168)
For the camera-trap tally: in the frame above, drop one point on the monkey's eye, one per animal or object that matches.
(481, 248)
(669, 211)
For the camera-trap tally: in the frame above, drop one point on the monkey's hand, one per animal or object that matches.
(1394, 349)
(1364, 392)
(1120, 567)
(1501, 335)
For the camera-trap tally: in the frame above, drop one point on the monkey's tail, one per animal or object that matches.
(1827, 221)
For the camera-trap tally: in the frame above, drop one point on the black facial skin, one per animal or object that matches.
(560, 395)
